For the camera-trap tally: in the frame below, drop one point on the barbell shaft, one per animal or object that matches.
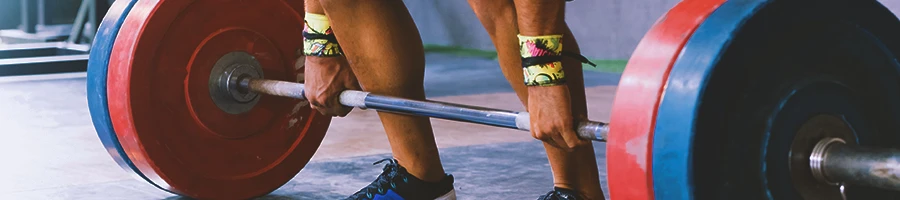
(857, 165)
(588, 130)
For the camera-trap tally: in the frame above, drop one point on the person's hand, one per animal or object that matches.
(550, 110)
(325, 78)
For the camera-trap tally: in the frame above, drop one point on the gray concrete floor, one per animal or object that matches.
(49, 149)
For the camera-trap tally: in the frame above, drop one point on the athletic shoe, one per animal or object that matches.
(395, 183)
(560, 194)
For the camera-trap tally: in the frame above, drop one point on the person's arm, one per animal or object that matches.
(326, 71)
(541, 26)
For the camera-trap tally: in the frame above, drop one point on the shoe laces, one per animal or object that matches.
(385, 180)
(558, 194)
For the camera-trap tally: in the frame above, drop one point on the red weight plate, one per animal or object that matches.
(161, 108)
(638, 95)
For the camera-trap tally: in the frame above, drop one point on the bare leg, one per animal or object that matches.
(384, 49)
(576, 170)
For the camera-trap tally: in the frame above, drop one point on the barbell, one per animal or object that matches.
(248, 84)
(736, 99)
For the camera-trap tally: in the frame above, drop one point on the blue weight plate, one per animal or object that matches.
(98, 64)
(752, 74)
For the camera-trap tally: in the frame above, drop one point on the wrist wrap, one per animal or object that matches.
(542, 60)
(318, 37)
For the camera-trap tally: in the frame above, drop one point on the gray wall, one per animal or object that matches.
(606, 29)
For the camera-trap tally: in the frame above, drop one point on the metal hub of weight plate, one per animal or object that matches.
(166, 116)
(809, 183)
(751, 75)
(226, 73)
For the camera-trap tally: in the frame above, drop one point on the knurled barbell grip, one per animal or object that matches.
(588, 130)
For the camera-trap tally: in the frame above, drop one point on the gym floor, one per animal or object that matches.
(49, 149)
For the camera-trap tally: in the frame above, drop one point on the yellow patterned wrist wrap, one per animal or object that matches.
(318, 38)
(542, 60)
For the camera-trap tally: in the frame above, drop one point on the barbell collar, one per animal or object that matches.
(588, 130)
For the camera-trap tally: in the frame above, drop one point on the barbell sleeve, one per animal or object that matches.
(588, 130)
(835, 162)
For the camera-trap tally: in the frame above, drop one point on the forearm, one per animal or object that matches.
(541, 25)
(313, 6)
(540, 17)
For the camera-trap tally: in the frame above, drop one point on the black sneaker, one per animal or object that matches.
(395, 183)
(560, 194)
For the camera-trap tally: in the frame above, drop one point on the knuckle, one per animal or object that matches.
(563, 146)
(541, 136)
(311, 96)
(321, 112)
(542, 131)
(321, 102)
(316, 104)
